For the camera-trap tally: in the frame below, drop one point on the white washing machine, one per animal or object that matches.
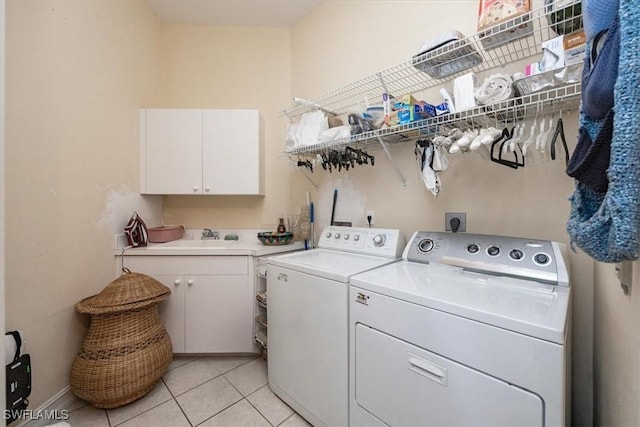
(468, 330)
(307, 315)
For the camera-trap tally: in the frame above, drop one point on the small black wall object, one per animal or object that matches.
(18, 381)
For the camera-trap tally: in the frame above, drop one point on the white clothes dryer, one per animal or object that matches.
(468, 330)
(307, 315)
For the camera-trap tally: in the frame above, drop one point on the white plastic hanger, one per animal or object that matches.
(531, 138)
(544, 137)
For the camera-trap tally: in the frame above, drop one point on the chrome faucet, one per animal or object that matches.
(207, 233)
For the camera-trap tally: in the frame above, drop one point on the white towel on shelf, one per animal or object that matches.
(495, 88)
(463, 91)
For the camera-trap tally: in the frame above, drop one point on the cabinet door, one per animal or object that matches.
(232, 152)
(219, 314)
(172, 309)
(171, 157)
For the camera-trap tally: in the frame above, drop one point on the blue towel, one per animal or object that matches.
(598, 15)
(590, 160)
(606, 225)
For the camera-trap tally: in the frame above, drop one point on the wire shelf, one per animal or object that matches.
(262, 320)
(528, 106)
(514, 40)
(261, 338)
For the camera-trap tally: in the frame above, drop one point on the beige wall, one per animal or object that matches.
(231, 67)
(617, 355)
(2, 189)
(340, 42)
(77, 73)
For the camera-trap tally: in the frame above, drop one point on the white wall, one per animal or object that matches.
(235, 68)
(340, 42)
(76, 75)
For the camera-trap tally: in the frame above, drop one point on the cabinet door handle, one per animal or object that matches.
(207, 189)
(190, 282)
(177, 282)
(283, 276)
(195, 189)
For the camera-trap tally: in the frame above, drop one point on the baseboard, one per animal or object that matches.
(59, 402)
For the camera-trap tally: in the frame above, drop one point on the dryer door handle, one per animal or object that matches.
(428, 369)
(283, 277)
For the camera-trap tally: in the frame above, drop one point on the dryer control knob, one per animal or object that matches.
(493, 251)
(356, 237)
(327, 235)
(541, 258)
(378, 239)
(516, 254)
(426, 245)
(473, 248)
(346, 237)
(337, 236)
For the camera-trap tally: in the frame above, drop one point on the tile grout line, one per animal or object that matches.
(258, 410)
(173, 397)
(239, 392)
(145, 411)
(210, 379)
(218, 376)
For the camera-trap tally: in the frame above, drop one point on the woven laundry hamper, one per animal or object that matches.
(127, 349)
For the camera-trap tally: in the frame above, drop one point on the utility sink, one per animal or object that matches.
(194, 244)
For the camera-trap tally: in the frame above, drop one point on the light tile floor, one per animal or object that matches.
(199, 391)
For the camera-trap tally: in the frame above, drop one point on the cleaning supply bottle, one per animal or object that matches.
(281, 228)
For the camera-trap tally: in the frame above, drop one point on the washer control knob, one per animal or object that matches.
(356, 237)
(541, 258)
(346, 237)
(337, 236)
(426, 245)
(493, 251)
(516, 254)
(473, 248)
(378, 239)
(327, 235)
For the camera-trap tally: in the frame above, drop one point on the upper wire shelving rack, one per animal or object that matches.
(406, 78)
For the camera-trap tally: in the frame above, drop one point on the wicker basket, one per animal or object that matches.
(127, 349)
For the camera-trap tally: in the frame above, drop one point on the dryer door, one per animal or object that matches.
(401, 384)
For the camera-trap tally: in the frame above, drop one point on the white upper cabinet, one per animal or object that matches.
(171, 151)
(188, 151)
(232, 156)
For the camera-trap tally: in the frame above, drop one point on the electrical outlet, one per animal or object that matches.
(370, 214)
(462, 216)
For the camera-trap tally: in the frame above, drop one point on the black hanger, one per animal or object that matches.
(326, 161)
(503, 139)
(306, 163)
(358, 156)
(559, 132)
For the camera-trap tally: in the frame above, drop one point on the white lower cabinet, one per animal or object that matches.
(218, 317)
(210, 309)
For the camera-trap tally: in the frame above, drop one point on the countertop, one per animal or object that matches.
(247, 244)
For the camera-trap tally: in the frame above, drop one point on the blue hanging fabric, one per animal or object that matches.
(605, 208)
